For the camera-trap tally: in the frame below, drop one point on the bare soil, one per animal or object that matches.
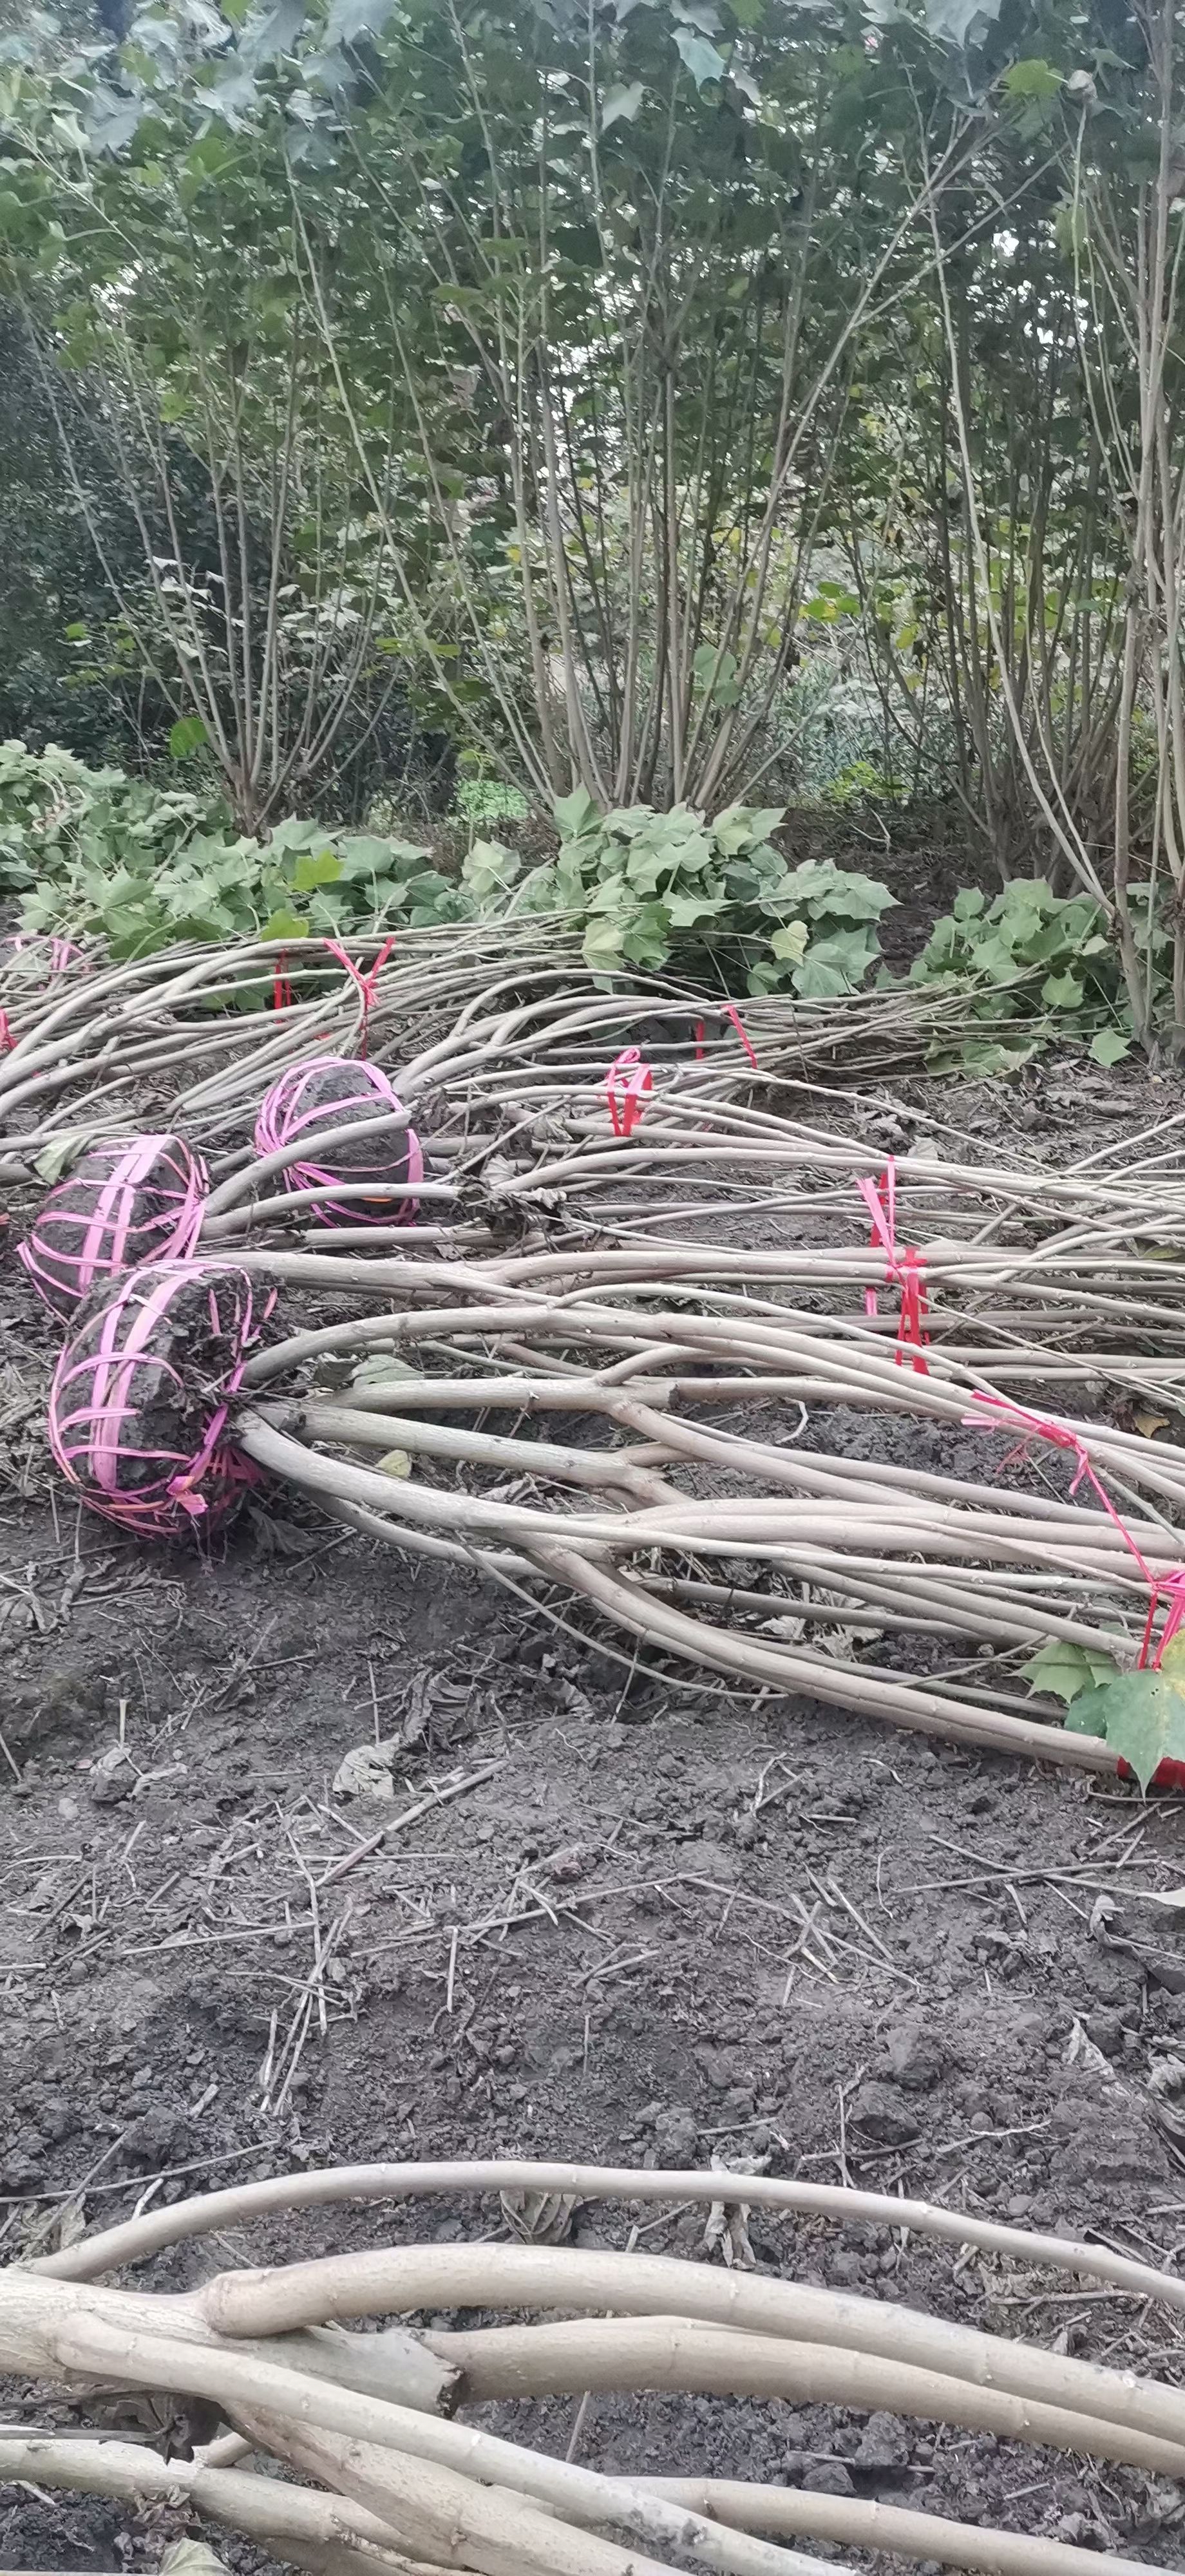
(653, 1925)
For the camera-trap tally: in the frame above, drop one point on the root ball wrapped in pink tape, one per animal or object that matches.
(323, 1094)
(140, 1398)
(131, 1201)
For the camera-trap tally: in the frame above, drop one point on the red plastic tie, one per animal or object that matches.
(367, 984)
(7, 1040)
(1170, 1586)
(699, 1041)
(905, 1271)
(282, 984)
(630, 1071)
(731, 1013)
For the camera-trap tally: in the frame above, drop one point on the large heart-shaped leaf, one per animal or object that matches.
(1141, 1714)
(700, 55)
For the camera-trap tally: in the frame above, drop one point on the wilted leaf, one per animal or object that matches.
(383, 1369)
(539, 2217)
(1110, 1046)
(394, 1462)
(192, 2558)
(61, 1153)
(366, 1772)
(1148, 1424)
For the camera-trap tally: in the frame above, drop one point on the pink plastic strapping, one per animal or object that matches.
(367, 984)
(44, 953)
(904, 1270)
(139, 1404)
(328, 1091)
(627, 1084)
(127, 1202)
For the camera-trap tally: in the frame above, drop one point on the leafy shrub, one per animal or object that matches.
(95, 851)
(651, 886)
(489, 800)
(1042, 959)
(303, 881)
(55, 812)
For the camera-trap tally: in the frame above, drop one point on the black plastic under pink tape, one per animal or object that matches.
(141, 1394)
(128, 1202)
(298, 1104)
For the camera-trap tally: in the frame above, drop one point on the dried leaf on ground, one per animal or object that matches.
(539, 2217)
(367, 1771)
(726, 2231)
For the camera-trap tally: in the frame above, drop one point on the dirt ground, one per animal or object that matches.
(598, 1914)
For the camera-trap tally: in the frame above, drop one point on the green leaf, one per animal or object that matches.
(819, 982)
(186, 737)
(315, 868)
(490, 869)
(968, 903)
(684, 910)
(621, 103)
(602, 945)
(285, 925)
(790, 942)
(843, 894)
(61, 1153)
(837, 963)
(1141, 1714)
(699, 54)
(1110, 1046)
(1062, 992)
(575, 813)
(1065, 1670)
(1030, 88)
(647, 940)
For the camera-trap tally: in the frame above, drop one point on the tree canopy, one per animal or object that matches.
(577, 373)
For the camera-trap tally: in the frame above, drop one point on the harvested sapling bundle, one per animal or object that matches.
(125, 1204)
(381, 2476)
(327, 1094)
(138, 1406)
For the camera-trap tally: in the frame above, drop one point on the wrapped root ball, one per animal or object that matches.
(139, 1403)
(323, 1094)
(126, 1203)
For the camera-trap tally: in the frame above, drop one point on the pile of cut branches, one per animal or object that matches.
(380, 2472)
(193, 1035)
(676, 1495)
